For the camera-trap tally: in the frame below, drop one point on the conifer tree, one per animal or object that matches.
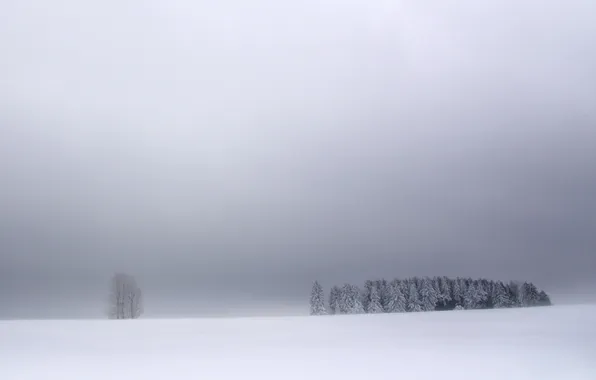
(436, 286)
(428, 295)
(492, 294)
(463, 286)
(374, 306)
(485, 286)
(471, 297)
(334, 296)
(515, 294)
(413, 299)
(481, 294)
(457, 293)
(351, 300)
(543, 299)
(344, 299)
(384, 294)
(357, 307)
(317, 300)
(397, 300)
(405, 289)
(366, 293)
(355, 303)
(418, 282)
(444, 295)
(529, 294)
(501, 296)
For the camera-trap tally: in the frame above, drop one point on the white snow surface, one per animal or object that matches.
(556, 342)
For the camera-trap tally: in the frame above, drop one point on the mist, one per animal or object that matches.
(230, 154)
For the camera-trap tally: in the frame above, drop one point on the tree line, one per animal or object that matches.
(418, 294)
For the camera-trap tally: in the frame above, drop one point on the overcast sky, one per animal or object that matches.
(229, 154)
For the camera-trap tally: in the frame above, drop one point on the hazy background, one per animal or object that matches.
(229, 154)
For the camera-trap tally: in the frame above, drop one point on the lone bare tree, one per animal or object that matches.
(126, 301)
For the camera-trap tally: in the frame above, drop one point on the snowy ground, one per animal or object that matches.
(539, 343)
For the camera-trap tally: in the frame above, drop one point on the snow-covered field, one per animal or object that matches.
(539, 343)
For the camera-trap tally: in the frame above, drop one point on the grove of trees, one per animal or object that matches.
(417, 294)
(125, 300)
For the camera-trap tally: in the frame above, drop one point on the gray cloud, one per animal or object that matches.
(245, 149)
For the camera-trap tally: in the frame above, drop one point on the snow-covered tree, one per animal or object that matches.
(397, 300)
(366, 293)
(436, 286)
(543, 299)
(428, 295)
(405, 289)
(444, 294)
(334, 296)
(463, 285)
(344, 299)
(357, 307)
(471, 297)
(485, 286)
(529, 294)
(384, 294)
(437, 293)
(501, 296)
(414, 304)
(446, 288)
(457, 293)
(355, 303)
(492, 291)
(418, 282)
(515, 295)
(350, 300)
(463, 288)
(374, 306)
(125, 300)
(482, 294)
(317, 300)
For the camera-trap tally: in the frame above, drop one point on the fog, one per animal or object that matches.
(229, 154)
